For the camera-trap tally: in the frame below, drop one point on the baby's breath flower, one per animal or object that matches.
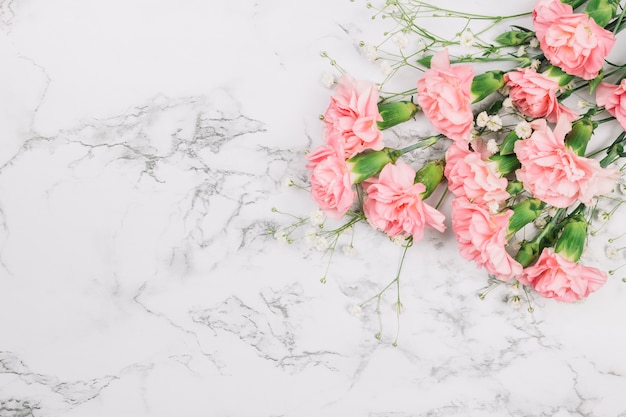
(321, 243)
(310, 235)
(534, 43)
(317, 217)
(328, 80)
(399, 240)
(467, 39)
(494, 123)
(355, 310)
(281, 235)
(521, 51)
(482, 119)
(507, 103)
(287, 182)
(385, 68)
(534, 64)
(421, 48)
(514, 302)
(348, 250)
(492, 146)
(523, 130)
(493, 207)
(581, 104)
(370, 52)
(401, 40)
(611, 252)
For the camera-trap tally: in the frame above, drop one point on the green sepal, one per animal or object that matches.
(524, 213)
(593, 84)
(578, 138)
(430, 175)
(485, 84)
(370, 163)
(602, 11)
(528, 252)
(425, 60)
(396, 112)
(508, 143)
(514, 37)
(514, 187)
(558, 75)
(571, 243)
(506, 163)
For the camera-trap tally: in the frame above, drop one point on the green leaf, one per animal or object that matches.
(602, 11)
(485, 84)
(513, 38)
(508, 144)
(425, 61)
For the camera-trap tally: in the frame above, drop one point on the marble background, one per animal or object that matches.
(143, 146)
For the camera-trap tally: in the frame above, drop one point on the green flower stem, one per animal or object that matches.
(424, 143)
(618, 23)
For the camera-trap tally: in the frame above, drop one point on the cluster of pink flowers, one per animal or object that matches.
(503, 179)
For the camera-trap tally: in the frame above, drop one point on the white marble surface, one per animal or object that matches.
(143, 145)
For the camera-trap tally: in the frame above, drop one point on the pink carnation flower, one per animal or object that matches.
(331, 185)
(534, 94)
(613, 98)
(572, 41)
(554, 276)
(482, 238)
(443, 93)
(352, 114)
(393, 203)
(554, 173)
(471, 176)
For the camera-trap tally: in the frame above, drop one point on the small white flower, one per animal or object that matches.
(581, 104)
(398, 307)
(355, 310)
(540, 222)
(385, 68)
(534, 42)
(494, 207)
(328, 80)
(399, 240)
(494, 123)
(534, 64)
(321, 243)
(281, 235)
(310, 234)
(317, 217)
(508, 103)
(492, 146)
(401, 40)
(287, 182)
(467, 39)
(611, 252)
(370, 52)
(514, 302)
(482, 119)
(348, 250)
(523, 130)
(421, 48)
(521, 51)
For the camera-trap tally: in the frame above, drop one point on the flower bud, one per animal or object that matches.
(571, 243)
(525, 212)
(558, 75)
(579, 136)
(430, 175)
(485, 84)
(396, 112)
(528, 252)
(602, 11)
(514, 187)
(370, 163)
(514, 37)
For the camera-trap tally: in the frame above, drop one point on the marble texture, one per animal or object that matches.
(144, 144)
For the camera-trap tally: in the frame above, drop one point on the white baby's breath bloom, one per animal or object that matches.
(281, 235)
(523, 130)
(328, 80)
(581, 104)
(492, 146)
(534, 43)
(494, 123)
(317, 217)
(310, 234)
(507, 103)
(534, 64)
(355, 310)
(493, 207)
(540, 222)
(370, 52)
(385, 68)
(482, 119)
(399, 240)
(287, 182)
(467, 39)
(611, 252)
(421, 48)
(401, 40)
(514, 302)
(321, 243)
(521, 51)
(348, 250)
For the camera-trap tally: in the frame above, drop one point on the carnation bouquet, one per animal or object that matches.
(530, 121)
